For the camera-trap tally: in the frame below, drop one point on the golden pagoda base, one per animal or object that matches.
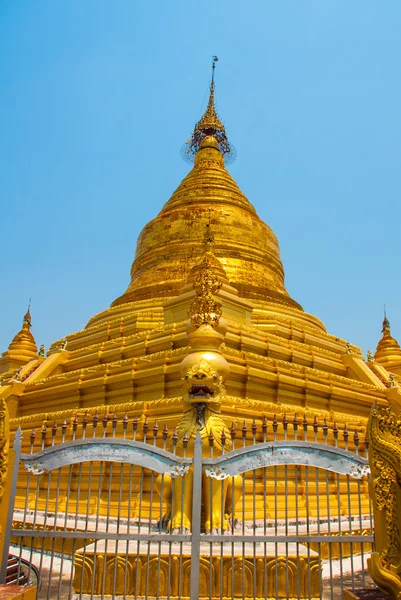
(131, 574)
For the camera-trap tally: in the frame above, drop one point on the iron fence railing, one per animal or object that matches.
(116, 507)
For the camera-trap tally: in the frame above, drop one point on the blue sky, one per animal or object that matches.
(97, 98)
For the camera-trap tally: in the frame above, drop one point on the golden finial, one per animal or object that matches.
(210, 125)
(27, 317)
(386, 323)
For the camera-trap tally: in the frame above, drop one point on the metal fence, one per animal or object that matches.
(112, 508)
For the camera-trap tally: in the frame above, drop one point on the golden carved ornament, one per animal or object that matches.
(204, 308)
(4, 446)
(384, 432)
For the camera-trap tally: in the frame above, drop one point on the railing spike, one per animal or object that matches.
(325, 430)
(125, 421)
(211, 439)
(165, 432)
(264, 427)
(155, 429)
(305, 427)
(345, 436)
(223, 438)
(233, 432)
(335, 433)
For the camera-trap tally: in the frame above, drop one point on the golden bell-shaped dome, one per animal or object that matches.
(170, 244)
(22, 349)
(388, 351)
(24, 342)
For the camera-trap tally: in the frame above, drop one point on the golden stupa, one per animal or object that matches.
(281, 358)
(127, 359)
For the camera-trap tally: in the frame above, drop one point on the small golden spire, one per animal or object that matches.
(23, 346)
(210, 125)
(385, 324)
(27, 323)
(210, 122)
(388, 349)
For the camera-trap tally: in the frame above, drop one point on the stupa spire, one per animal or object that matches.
(27, 323)
(210, 125)
(24, 340)
(22, 348)
(385, 324)
(388, 349)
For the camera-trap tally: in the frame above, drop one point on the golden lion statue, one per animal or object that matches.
(204, 372)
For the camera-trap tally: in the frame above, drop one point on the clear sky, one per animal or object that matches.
(97, 98)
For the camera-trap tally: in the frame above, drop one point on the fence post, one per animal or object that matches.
(196, 518)
(8, 502)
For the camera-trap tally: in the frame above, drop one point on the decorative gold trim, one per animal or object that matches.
(384, 432)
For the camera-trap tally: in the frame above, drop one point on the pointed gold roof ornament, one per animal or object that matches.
(27, 322)
(385, 324)
(209, 125)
